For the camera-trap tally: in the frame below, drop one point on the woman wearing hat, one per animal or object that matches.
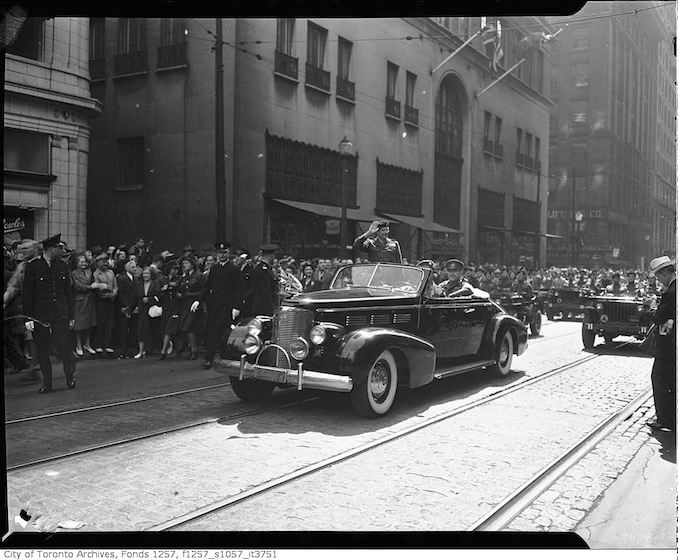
(85, 312)
(106, 289)
(171, 305)
(148, 294)
(664, 367)
(188, 290)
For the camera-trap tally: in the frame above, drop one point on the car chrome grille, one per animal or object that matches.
(380, 320)
(399, 318)
(289, 323)
(356, 320)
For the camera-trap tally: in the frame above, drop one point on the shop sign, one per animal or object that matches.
(615, 252)
(13, 225)
(332, 227)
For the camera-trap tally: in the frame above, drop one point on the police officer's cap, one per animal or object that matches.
(241, 251)
(188, 249)
(382, 223)
(51, 241)
(269, 248)
(222, 246)
(454, 264)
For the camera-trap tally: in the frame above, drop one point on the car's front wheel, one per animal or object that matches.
(374, 396)
(503, 353)
(535, 325)
(251, 390)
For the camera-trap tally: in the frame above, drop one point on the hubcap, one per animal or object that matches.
(379, 380)
(504, 352)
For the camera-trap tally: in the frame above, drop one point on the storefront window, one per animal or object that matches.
(26, 151)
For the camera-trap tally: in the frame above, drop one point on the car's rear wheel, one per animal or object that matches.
(374, 396)
(535, 325)
(588, 337)
(251, 390)
(503, 353)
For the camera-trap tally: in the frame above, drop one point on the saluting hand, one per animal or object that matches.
(71, 324)
(195, 305)
(235, 313)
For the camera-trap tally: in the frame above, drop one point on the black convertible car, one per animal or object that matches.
(377, 328)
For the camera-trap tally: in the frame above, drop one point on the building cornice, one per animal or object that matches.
(92, 107)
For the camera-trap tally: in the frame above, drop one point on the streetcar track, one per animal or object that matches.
(350, 453)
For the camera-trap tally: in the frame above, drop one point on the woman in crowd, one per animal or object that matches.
(188, 291)
(308, 281)
(171, 305)
(85, 311)
(149, 291)
(106, 288)
(207, 264)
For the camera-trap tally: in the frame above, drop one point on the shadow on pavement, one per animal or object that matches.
(668, 444)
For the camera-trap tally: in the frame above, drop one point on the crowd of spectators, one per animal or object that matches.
(130, 301)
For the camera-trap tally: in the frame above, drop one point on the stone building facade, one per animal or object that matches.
(47, 107)
(424, 155)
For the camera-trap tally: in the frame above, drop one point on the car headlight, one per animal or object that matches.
(599, 306)
(299, 349)
(318, 335)
(555, 294)
(254, 327)
(252, 344)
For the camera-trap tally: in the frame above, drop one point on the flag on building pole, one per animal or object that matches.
(491, 35)
(485, 31)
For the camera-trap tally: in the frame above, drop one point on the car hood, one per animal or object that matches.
(351, 296)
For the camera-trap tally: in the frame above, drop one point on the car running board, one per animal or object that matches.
(463, 368)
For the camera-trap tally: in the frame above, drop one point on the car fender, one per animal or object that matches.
(358, 350)
(503, 321)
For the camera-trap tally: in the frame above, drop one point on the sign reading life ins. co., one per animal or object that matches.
(591, 214)
(13, 225)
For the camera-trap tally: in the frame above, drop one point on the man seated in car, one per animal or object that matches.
(455, 285)
(520, 285)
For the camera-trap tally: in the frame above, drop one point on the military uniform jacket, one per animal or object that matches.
(223, 288)
(381, 251)
(47, 294)
(264, 289)
(665, 345)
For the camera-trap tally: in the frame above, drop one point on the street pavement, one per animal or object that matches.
(441, 478)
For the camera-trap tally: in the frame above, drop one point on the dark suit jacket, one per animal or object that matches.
(47, 293)
(264, 290)
(223, 288)
(665, 345)
(126, 292)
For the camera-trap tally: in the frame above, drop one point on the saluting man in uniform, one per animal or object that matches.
(48, 298)
(223, 295)
(264, 285)
(455, 285)
(378, 245)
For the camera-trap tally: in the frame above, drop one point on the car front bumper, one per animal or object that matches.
(303, 379)
(618, 328)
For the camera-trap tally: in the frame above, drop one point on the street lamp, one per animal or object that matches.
(578, 218)
(346, 151)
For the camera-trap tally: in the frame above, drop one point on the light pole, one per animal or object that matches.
(346, 150)
(578, 218)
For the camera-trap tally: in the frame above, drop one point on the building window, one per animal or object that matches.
(131, 57)
(25, 151)
(498, 146)
(519, 146)
(399, 189)
(172, 47)
(29, 42)
(580, 74)
(580, 117)
(411, 113)
(537, 156)
(130, 162)
(392, 105)
(580, 38)
(285, 35)
(345, 88)
(528, 150)
(97, 55)
(317, 39)
(131, 35)
(487, 141)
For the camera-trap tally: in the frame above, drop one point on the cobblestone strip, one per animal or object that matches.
(573, 495)
(452, 473)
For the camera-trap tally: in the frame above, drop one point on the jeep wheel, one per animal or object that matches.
(535, 325)
(374, 396)
(251, 390)
(588, 337)
(503, 353)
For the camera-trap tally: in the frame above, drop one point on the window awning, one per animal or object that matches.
(421, 223)
(330, 212)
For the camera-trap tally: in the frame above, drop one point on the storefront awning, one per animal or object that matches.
(421, 223)
(330, 212)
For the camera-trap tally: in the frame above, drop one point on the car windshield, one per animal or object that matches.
(383, 276)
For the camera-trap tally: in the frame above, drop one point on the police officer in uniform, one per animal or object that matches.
(264, 285)
(48, 298)
(223, 295)
(244, 265)
(455, 285)
(378, 245)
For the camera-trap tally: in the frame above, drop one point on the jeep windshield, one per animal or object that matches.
(393, 277)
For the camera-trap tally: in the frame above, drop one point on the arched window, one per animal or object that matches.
(449, 121)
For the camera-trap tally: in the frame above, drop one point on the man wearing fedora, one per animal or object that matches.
(48, 301)
(378, 245)
(664, 367)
